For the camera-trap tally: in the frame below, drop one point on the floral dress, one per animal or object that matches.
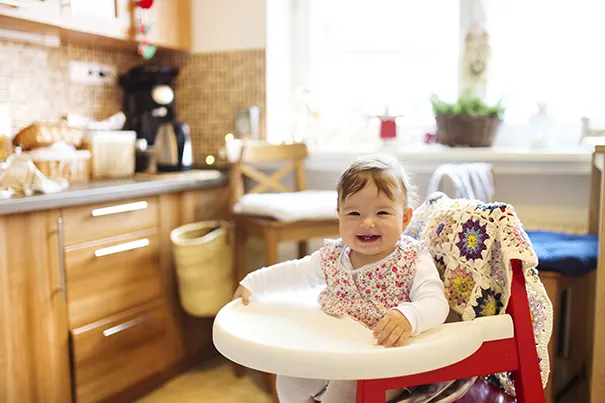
(366, 295)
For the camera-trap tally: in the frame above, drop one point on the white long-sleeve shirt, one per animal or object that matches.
(428, 307)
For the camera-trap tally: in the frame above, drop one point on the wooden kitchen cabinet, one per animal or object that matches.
(34, 348)
(18, 12)
(89, 303)
(107, 18)
(171, 24)
(108, 23)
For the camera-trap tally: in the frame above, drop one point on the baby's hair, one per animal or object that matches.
(387, 173)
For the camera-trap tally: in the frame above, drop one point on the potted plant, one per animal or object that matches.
(467, 122)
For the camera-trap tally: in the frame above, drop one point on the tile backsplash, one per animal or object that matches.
(210, 88)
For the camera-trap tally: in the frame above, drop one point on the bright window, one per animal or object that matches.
(361, 56)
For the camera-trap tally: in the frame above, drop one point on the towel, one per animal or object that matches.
(471, 181)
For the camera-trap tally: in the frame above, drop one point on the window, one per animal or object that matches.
(548, 51)
(358, 56)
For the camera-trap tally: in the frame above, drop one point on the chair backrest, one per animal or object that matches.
(243, 154)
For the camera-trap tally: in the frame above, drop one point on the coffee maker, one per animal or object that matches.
(150, 111)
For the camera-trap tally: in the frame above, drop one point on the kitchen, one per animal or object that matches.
(60, 298)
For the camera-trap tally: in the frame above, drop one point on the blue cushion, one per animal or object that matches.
(570, 255)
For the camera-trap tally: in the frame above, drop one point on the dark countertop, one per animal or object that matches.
(108, 190)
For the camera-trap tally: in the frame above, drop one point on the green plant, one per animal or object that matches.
(467, 104)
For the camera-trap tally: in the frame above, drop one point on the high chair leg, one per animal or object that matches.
(528, 383)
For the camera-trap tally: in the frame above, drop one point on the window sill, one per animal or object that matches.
(505, 159)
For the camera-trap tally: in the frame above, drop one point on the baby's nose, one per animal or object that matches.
(367, 223)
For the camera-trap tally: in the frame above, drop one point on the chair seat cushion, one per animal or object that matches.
(568, 254)
(291, 206)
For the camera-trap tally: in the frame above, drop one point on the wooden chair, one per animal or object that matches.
(243, 155)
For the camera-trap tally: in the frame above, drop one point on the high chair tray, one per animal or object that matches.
(289, 334)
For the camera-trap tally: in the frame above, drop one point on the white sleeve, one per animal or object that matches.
(291, 275)
(428, 307)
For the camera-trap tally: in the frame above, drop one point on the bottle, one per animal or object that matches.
(540, 127)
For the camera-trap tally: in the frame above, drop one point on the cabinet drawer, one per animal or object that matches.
(91, 222)
(117, 352)
(109, 277)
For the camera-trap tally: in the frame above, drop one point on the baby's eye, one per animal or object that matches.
(355, 213)
(382, 213)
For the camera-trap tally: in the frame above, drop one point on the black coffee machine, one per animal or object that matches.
(150, 111)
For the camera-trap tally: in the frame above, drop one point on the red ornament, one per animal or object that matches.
(145, 3)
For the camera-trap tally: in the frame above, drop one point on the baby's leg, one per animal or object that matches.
(346, 392)
(298, 390)
(341, 392)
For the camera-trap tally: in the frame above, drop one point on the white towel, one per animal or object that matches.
(472, 181)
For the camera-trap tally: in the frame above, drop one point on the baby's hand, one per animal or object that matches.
(242, 292)
(393, 329)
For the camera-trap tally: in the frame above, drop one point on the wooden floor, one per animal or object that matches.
(211, 383)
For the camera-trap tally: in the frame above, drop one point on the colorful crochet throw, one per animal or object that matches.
(472, 244)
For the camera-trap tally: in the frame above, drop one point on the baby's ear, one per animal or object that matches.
(407, 216)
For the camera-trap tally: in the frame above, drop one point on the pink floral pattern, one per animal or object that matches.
(372, 292)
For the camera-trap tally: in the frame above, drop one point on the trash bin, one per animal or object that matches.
(203, 258)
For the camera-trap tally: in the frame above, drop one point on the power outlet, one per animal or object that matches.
(91, 73)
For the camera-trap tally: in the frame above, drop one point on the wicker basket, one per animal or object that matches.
(203, 257)
(466, 130)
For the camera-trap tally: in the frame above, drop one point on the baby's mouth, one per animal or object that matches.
(368, 238)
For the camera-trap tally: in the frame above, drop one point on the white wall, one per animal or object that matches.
(223, 25)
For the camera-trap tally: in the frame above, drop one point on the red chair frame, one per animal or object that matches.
(517, 354)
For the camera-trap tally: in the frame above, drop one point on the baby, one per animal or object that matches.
(373, 274)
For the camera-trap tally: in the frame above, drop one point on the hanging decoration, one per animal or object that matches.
(477, 52)
(143, 27)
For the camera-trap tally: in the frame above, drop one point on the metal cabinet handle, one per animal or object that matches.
(126, 325)
(123, 247)
(14, 3)
(63, 275)
(119, 208)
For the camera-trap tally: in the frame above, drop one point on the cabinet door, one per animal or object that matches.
(34, 349)
(111, 18)
(170, 24)
(42, 11)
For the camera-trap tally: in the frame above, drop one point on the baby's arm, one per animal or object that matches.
(428, 307)
(288, 276)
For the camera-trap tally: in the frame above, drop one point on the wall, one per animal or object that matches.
(34, 82)
(209, 90)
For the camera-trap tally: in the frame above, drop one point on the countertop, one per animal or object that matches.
(108, 190)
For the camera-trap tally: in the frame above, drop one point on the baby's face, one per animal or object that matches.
(371, 224)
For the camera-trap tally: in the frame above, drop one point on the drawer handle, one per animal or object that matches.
(61, 258)
(119, 208)
(123, 247)
(126, 325)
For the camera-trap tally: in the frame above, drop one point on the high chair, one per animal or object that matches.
(286, 214)
(486, 262)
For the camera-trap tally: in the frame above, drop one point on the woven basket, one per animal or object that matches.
(203, 257)
(466, 130)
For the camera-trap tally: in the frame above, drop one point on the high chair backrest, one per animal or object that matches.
(473, 245)
(243, 154)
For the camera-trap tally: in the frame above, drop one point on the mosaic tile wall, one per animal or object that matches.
(34, 82)
(210, 88)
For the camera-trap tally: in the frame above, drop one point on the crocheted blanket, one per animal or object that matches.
(472, 244)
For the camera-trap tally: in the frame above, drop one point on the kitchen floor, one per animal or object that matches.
(212, 383)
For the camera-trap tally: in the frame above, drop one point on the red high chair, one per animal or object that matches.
(517, 354)
(290, 335)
